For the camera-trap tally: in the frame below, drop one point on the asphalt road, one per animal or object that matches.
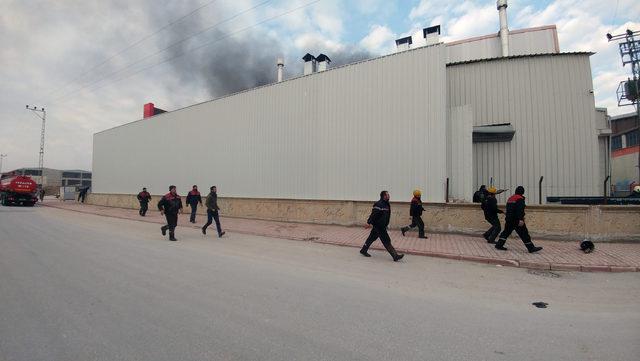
(82, 287)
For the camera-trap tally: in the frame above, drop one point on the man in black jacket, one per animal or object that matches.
(416, 215)
(379, 220)
(144, 197)
(514, 220)
(491, 212)
(170, 205)
(193, 198)
(212, 211)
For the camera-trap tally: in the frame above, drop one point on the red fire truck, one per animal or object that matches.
(19, 189)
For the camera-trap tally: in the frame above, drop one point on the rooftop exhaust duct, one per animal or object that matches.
(310, 64)
(403, 44)
(280, 64)
(504, 27)
(431, 34)
(323, 62)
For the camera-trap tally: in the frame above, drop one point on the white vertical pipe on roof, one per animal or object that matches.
(504, 27)
(280, 69)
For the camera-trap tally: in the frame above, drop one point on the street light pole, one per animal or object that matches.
(38, 113)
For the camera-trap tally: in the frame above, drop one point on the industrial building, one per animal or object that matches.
(507, 108)
(625, 153)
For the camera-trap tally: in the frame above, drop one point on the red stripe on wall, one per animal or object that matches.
(625, 151)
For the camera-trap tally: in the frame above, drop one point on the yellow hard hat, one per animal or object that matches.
(492, 190)
(417, 193)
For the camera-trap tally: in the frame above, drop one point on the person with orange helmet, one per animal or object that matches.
(416, 215)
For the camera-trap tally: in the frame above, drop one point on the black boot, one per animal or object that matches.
(531, 248)
(404, 230)
(221, 234)
(204, 230)
(500, 244)
(398, 257)
(363, 251)
(172, 237)
(164, 230)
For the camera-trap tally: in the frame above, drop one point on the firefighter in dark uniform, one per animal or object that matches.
(170, 205)
(212, 211)
(193, 198)
(491, 211)
(379, 220)
(416, 215)
(514, 220)
(144, 197)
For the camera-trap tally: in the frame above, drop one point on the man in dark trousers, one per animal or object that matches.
(83, 194)
(212, 211)
(144, 197)
(193, 198)
(169, 206)
(491, 212)
(514, 220)
(416, 215)
(379, 220)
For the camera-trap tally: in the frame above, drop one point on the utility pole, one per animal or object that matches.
(42, 114)
(628, 91)
(2, 156)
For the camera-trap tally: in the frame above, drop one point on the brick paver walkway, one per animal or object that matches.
(563, 256)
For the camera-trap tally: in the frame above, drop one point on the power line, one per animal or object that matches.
(63, 96)
(207, 44)
(146, 37)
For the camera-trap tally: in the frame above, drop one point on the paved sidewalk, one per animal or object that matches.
(561, 256)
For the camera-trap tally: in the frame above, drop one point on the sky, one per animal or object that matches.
(94, 64)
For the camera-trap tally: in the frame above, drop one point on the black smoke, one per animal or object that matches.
(234, 61)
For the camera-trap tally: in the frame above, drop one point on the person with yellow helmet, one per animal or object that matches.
(491, 211)
(416, 215)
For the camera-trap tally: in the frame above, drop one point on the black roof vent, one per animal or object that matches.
(431, 30)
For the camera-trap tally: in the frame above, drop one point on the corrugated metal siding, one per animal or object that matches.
(520, 43)
(460, 153)
(547, 99)
(341, 134)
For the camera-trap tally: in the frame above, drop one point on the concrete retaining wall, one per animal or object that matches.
(562, 222)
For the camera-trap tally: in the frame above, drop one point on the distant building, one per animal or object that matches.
(625, 146)
(55, 178)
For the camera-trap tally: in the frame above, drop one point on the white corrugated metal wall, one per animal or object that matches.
(341, 134)
(521, 42)
(460, 153)
(548, 100)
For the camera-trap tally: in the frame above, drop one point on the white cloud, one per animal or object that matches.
(380, 40)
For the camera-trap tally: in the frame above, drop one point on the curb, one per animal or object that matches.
(458, 257)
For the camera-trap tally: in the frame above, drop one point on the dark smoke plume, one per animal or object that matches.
(237, 62)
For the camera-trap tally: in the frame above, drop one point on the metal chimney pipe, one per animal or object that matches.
(280, 69)
(504, 27)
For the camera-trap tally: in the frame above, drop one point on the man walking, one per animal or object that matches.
(416, 215)
(193, 198)
(491, 212)
(514, 220)
(83, 194)
(379, 220)
(169, 206)
(212, 211)
(144, 198)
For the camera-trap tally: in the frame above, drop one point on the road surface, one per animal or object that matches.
(83, 287)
